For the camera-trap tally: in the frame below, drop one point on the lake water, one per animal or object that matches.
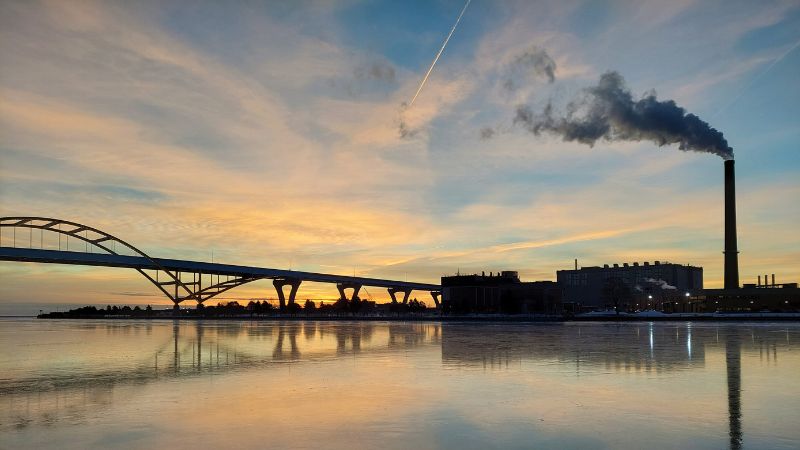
(163, 384)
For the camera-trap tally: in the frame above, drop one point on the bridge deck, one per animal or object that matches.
(138, 262)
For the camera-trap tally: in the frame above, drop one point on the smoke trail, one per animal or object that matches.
(608, 111)
(444, 44)
(660, 283)
(535, 58)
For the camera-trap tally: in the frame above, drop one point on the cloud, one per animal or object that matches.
(441, 97)
(202, 136)
(375, 79)
(380, 71)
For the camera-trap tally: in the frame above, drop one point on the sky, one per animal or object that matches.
(269, 134)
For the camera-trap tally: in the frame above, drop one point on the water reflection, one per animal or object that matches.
(63, 373)
(620, 347)
(628, 347)
(733, 366)
(50, 392)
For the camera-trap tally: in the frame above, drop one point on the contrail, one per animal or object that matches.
(757, 78)
(444, 44)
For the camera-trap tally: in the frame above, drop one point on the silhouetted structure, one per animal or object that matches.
(783, 297)
(731, 250)
(648, 286)
(178, 280)
(500, 293)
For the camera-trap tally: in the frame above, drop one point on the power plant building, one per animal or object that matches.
(628, 286)
(502, 292)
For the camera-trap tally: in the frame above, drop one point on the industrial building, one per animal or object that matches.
(628, 287)
(502, 292)
(751, 297)
(678, 288)
(764, 296)
(662, 286)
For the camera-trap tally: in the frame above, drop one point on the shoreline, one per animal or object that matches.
(766, 317)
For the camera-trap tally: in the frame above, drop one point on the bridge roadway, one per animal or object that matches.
(248, 273)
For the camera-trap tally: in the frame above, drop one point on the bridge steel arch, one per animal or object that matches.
(174, 287)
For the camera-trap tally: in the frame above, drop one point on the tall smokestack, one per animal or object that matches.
(731, 251)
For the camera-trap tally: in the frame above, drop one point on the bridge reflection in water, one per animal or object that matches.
(181, 349)
(102, 363)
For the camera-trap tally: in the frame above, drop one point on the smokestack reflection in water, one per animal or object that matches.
(733, 352)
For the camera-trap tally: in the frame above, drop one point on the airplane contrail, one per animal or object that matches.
(444, 44)
(757, 78)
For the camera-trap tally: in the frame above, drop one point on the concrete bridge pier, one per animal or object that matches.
(342, 286)
(406, 294)
(435, 295)
(279, 283)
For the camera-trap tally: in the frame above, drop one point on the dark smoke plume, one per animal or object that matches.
(533, 59)
(608, 111)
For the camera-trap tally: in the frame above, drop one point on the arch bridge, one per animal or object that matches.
(178, 280)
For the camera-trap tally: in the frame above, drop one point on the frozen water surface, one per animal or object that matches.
(219, 384)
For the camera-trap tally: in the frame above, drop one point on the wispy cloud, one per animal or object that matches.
(275, 142)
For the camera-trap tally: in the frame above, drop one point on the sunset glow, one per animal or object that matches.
(268, 136)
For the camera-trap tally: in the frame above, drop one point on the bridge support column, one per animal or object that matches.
(279, 283)
(393, 291)
(342, 286)
(176, 308)
(435, 295)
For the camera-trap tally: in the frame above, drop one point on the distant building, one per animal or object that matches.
(766, 297)
(629, 286)
(499, 293)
